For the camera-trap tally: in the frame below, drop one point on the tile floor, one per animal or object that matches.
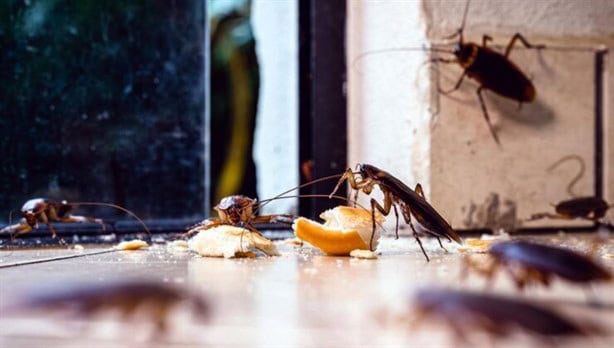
(299, 299)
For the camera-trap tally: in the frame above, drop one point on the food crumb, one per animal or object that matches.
(134, 244)
(363, 254)
(293, 241)
(177, 245)
(476, 245)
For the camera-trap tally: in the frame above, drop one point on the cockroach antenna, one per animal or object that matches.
(578, 176)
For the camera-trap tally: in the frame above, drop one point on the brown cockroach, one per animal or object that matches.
(126, 297)
(533, 263)
(398, 195)
(588, 207)
(237, 210)
(42, 210)
(492, 70)
(497, 315)
(241, 211)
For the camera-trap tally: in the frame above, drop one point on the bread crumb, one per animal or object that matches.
(363, 254)
(134, 244)
(293, 241)
(177, 245)
(231, 242)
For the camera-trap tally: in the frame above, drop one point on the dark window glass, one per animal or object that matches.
(103, 101)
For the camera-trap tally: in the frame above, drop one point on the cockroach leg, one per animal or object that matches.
(417, 239)
(485, 39)
(441, 245)
(396, 215)
(456, 86)
(21, 229)
(486, 116)
(524, 41)
(384, 210)
(418, 190)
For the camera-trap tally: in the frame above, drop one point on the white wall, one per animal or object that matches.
(393, 94)
(388, 112)
(387, 123)
(276, 142)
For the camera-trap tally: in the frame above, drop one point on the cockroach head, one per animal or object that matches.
(235, 202)
(366, 170)
(463, 51)
(369, 171)
(30, 218)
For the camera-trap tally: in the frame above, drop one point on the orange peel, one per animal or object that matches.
(345, 229)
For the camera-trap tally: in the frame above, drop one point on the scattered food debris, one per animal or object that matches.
(345, 229)
(363, 254)
(482, 244)
(293, 241)
(178, 245)
(231, 242)
(134, 244)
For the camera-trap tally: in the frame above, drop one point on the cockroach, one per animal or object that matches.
(241, 211)
(42, 210)
(492, 70)
(398, 196)
(126, 297)
(533, 263)
(236, 210)
(497, 315)
(588, 207)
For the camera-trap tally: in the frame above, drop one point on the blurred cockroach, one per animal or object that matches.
(588, 207)
(529, 262)
(492, 70)
(397, 194)
(497, 315)
(46, 211)
(128, 298)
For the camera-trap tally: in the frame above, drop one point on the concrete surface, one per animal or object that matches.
(299, 299)
(399, 122)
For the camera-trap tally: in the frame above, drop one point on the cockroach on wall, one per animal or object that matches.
(587, 207)
(492, 70)
(533, 263)
(499, 316)
(397, 195)
(42, 210)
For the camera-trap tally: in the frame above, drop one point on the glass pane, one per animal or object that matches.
(103, 101)
(254, 100)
